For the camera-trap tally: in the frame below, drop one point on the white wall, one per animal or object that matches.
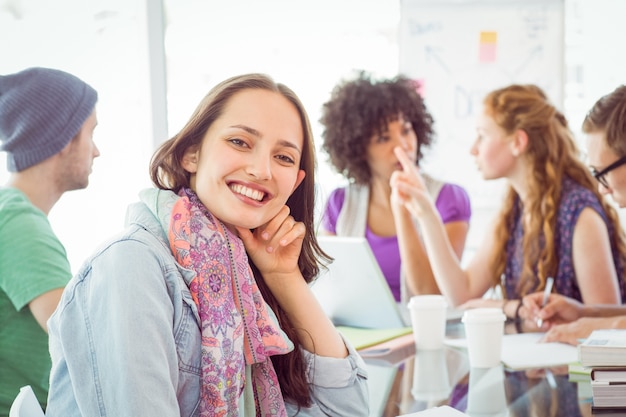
(103, 42)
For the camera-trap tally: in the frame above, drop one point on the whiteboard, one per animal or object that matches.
(459, 51)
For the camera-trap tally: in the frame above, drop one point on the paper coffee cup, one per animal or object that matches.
(484, 328)
(428, 319)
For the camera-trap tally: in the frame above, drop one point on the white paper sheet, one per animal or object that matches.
(525, 351)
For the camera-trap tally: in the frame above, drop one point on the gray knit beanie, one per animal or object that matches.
(41, 110)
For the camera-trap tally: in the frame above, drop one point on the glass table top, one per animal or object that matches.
(424, 379)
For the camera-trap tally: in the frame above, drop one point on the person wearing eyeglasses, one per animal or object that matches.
(553, 221)
(605, 127)
(601, 175)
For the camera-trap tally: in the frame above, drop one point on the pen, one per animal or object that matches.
(550, 379)
(546, 294)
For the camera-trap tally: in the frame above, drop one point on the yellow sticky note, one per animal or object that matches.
(488, 37)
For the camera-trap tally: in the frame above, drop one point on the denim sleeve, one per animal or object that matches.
(112, 341)
(338, 386)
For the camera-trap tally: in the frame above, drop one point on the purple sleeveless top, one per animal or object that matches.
(453, 205)
(574, 198)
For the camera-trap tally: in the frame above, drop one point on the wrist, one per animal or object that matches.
(586, 310)
(517, 317)
(401, 214)
(505, 310)
(429, 218)
(284, 286)
(510, 308)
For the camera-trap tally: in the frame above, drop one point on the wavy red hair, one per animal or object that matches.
(552, 155)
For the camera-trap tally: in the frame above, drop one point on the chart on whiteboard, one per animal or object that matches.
(460, 50)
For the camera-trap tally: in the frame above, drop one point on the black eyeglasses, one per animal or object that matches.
(601, 175)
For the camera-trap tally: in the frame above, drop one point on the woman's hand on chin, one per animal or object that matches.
(275, 246)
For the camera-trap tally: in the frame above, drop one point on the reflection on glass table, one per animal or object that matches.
(431, 382)
(486, 395)
(426, 379)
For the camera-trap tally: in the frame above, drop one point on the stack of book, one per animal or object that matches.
(581, 375)
(604, 352)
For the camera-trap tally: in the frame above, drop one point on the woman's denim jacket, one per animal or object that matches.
(125, 339)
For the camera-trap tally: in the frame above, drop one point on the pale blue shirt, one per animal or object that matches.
(125, 339)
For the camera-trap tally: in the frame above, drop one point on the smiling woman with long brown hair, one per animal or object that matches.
(201, 307)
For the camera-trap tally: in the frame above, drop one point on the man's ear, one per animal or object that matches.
(190, 159)
(301, 175)
(519, 143)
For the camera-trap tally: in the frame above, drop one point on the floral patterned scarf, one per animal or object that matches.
(236, 327)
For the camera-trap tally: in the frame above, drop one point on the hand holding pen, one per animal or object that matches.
(559, 308)
(546, 295)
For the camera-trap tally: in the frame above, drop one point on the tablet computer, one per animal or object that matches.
(353, 291)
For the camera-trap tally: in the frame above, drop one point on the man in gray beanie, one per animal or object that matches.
(47, 118)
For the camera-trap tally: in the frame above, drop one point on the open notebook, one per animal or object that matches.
(354, 292)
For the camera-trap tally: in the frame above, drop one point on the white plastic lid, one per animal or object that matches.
(427, 301)
(483, 315)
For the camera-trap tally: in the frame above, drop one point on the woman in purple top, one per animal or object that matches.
(364, 120)
(553, 222)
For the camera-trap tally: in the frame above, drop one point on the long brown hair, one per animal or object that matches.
(167, 173)
(552, 155)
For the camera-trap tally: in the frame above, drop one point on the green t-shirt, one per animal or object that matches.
(32, 262)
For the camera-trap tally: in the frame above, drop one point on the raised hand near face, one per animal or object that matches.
(408, 188)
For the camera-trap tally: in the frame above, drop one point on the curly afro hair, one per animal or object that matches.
(361, 108)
